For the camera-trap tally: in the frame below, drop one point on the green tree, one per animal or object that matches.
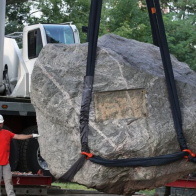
(180, 27)
(129, 20)
(8, 2)
(52, 11)
(122, 17)
(17, 14)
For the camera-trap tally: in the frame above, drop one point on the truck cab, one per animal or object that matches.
(20, 52)
(19, 63)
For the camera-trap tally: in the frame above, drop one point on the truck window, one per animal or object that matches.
(59, 34)
(34, 43)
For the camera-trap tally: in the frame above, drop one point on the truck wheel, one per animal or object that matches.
(14, 152)
(14, 155)
(30, 159)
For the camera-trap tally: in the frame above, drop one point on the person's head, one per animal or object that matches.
(1, 122)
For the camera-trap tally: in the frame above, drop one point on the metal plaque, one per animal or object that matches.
(120, 104)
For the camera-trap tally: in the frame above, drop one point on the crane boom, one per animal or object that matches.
(2, 32)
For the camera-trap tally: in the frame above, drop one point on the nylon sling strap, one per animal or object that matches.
(139, 162)
(159, 30)
(93, 30)
(159, 39)
(154, 35)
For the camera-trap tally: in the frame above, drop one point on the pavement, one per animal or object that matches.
(68, 192)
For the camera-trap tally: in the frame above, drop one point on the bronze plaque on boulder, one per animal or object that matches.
(120, 104)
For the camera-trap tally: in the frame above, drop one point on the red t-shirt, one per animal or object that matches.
(5, 138)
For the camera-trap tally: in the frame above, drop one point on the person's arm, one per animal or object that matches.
(24, 137)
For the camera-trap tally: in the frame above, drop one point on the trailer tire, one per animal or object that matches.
(14, 152)
(30, 159)
(14, 155)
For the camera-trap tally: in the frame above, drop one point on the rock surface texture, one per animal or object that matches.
(130, 114)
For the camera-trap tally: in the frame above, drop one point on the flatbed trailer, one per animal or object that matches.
(189, 183)
(29, 184)
(181, 187)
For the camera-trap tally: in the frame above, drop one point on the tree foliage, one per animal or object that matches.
(180, 27)
(182, 40)
(18, 13)
(9, 2)
(127, 18)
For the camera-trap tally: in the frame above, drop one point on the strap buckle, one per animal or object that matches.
(190, 152)
(89, 155)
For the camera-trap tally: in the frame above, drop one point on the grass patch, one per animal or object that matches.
(148, 192)
(75, 186)
(70, 185)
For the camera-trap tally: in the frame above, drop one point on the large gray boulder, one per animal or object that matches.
(130, 114)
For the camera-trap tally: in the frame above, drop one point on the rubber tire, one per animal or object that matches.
(14, 152)
(28, 154)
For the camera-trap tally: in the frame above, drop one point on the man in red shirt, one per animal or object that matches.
(5, 170)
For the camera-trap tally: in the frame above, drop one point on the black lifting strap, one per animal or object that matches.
(93, 31)
(159, 39)
(158, 29)
(92, 36)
